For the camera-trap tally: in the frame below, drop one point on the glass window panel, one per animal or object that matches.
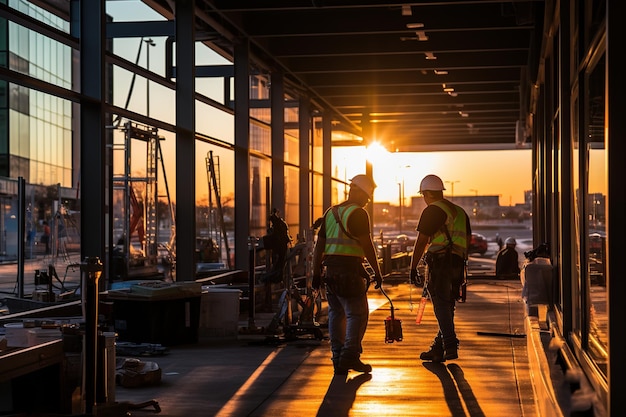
(317, 153)
(292, 199)
(214, 123)
(260, 138)
(33, 53)
(596, 186)
(24, 136)
(292, 151)
(162, 103)
(318, 208)
(223, 160)
(212, 88)
(260, 170)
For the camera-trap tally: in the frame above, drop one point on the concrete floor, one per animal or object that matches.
(253, 375)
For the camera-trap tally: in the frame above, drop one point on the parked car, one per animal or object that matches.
(478, 244)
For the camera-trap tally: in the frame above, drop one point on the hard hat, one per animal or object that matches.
(431, 183)
(365, 183)
(510, 241)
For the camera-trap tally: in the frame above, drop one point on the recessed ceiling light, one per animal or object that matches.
(421, 35)
(430, 55)
(406, 10)
(414, 25)
(438, 72)
(448, 89)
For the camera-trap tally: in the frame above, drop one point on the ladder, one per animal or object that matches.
(214, 189)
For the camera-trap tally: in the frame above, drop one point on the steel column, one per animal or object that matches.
(185, 141)
(242, 153)
(92, 149)
(278, 141)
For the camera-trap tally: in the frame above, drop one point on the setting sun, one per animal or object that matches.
(503, 173)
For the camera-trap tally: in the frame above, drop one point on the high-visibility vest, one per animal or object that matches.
(337, 242)
(456, 223)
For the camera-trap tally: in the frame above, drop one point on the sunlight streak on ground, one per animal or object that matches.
(243, 390)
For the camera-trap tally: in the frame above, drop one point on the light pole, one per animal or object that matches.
(475, 191)
(401, 196)
(452, 188)
(149, 42)
(401, 203)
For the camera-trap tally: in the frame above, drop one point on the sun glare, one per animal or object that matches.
(376, 153)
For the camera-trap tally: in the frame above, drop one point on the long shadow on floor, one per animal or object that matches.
(340, 395)
(456, 389)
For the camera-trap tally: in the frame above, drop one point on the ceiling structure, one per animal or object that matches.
(437, 74)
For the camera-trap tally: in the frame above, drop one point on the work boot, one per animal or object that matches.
(452, 351)
(351, 362)
(338, 370)
(436, 352)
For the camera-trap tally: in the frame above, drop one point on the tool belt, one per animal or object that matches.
(447, 274)
(347, 284)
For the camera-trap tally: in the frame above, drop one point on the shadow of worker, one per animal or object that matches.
(456, 389)
(340, 395)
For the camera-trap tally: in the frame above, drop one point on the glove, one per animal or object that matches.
(317, 282)
(416, 278)
(379, 281)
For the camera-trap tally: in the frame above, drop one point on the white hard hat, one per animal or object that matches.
(365, 183)
(510, 241)
(431, 183)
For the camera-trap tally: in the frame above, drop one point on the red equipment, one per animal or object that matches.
(393, 326)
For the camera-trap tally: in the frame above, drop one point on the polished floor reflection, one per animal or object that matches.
(253, 377)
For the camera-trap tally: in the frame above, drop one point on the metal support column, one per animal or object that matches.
(92, 149)
(565, 118)
(304, 137)
(366, 131)
(616, 130)
(185, 141)
(277, 93)
(91, 269)
(242, 153)
(327, 132)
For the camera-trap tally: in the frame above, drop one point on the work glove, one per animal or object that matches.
(379, 281)
(416, 277)
(317, 281)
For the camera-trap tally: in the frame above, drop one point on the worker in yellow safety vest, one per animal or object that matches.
(443, 234)
(344, 241)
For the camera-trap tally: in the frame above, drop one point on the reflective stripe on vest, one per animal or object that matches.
(457, 227)
(337, 242)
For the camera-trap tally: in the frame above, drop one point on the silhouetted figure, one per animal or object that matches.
(507, 261)
(45, 237)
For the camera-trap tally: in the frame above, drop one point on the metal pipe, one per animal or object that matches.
(21, 212)
(251, 280)
(91, 269)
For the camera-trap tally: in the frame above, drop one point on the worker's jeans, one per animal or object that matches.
(444, 312)
(347, 321)
(446, 275)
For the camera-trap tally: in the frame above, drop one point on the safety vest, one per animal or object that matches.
(337, 242)
(457, 228)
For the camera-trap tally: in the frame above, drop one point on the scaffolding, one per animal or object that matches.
(138, 244)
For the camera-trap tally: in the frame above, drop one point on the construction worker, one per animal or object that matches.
(343, 242)
(443, 235)
(507, 260)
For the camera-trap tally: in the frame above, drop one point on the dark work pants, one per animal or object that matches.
(444, 312)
